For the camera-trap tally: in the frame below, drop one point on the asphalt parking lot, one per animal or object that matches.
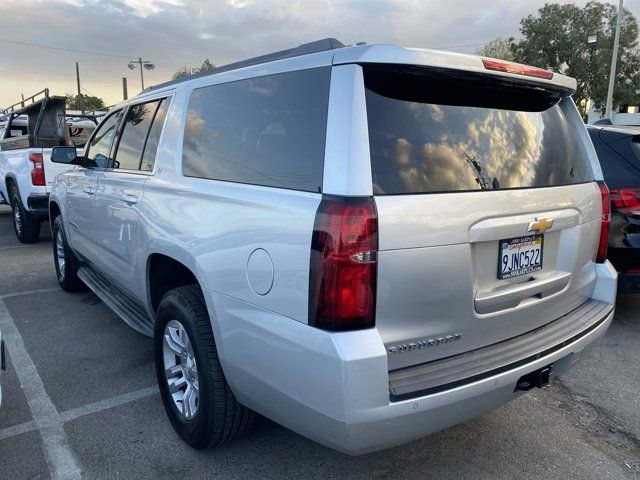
(80, 401)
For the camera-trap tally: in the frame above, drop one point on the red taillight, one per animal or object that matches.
(342, 273)
(606, 223)
(37, 172)
(628, 198)
(509, 67)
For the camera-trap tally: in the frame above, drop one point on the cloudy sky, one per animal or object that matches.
(173, 33)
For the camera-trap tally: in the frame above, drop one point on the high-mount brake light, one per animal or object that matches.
(606, 223)
(508, 67)
(37, 172)
(343, 266)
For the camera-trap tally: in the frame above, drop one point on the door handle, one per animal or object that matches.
(89, 190)
(130, 199)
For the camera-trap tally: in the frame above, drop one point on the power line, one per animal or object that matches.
(28, 44)
(90, 93)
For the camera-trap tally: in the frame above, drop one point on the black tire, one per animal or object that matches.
(26, 225)
(67, 275)
(219, 418)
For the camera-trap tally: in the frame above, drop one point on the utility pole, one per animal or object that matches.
(124, 88)
(614, 59)
(80, 99)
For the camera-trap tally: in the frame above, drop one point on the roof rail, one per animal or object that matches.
(22, 103)
(304, 49)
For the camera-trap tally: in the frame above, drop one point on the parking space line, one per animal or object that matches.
(82, 411)
(18, 429)
(31, 292)
(10, 247)
(107, 404)
(58, 454)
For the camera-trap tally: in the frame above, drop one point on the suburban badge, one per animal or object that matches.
(427, 342)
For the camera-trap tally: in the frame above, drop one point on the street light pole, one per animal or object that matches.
(133, 64)
(614, 59)
(141, 75)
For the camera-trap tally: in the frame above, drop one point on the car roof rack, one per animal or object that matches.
(306, 48)
(26, 104)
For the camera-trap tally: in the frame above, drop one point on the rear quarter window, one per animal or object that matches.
(266, 131)
(428, 135)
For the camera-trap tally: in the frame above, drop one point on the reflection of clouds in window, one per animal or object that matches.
(436, 113)
(265, 131)
(426, 110)
(402, 152)
(508, 147)
(419, 147)
(263, 86)
(438, 168)
(193, 124)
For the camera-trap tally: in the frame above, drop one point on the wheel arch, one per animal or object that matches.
(10, 180)
(54, 211)
(165, 272)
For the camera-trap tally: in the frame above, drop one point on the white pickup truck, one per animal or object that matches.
(26, 170)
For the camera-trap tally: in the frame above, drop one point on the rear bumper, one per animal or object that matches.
(335, 388)
(38, 204)
(450, 372)
(413, 418)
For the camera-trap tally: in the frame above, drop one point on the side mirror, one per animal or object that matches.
(67, 155)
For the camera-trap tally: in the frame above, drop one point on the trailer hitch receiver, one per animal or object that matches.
(538, 378)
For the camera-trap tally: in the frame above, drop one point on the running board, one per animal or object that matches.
(122, 303)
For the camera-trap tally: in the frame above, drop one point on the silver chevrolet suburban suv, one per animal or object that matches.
(365, 244)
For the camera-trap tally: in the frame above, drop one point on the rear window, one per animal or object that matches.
(442, 133)
(266, 131)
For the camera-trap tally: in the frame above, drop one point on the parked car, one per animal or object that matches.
(26, 171)
(365, 244)
(618, 150)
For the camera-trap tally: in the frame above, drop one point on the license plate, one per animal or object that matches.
(520, 256)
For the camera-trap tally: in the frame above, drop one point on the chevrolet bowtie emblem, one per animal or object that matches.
(541, 225)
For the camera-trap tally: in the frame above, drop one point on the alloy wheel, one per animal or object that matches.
(17, 218)
(180, 369)
(60, 258)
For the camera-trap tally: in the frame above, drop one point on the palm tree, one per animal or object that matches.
(186, 71)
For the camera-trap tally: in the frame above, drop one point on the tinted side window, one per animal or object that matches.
(151, 148)
(134, 135)
(100, 146)
(264, 131)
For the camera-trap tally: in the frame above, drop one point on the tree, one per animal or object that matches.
(556, 38)
(501, 48)
(84, 102)
(186, 71)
